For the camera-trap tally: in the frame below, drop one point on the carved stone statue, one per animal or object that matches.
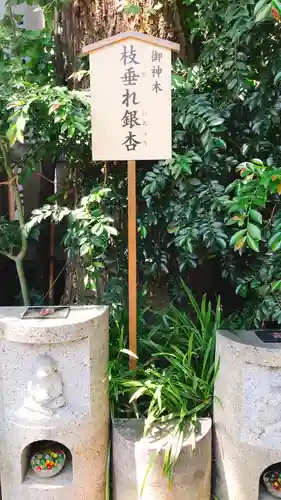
(45, 389)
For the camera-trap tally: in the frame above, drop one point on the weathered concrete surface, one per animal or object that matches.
(132, 455)
(247, 414)
(79, 347)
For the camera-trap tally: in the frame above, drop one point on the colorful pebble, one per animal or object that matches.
(274, 480)
(48, 460)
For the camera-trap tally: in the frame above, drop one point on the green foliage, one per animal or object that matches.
(187, 188)
(25, 56)
(10, 240)
(49, 118)
(55, 116)
(177, 381)
(88, 233)
(226, 108)
(50, 121)
(255, 207)
(251, 194)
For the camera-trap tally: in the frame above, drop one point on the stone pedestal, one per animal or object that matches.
(54, 390)
(247, 414)
(132, 455)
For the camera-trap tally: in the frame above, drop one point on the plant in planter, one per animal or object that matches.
(176, 388)
(118, 369)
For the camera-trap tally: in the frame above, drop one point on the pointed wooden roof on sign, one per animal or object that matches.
(160, 42)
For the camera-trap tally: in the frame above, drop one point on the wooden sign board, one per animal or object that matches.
(131, 97)
(131, 120)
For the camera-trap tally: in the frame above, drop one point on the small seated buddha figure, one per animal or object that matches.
(45, 389)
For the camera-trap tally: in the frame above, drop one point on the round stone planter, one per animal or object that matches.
(247, 425)
(132, 455)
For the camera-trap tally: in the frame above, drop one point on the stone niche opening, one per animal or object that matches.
(273, 471)
(30, 479)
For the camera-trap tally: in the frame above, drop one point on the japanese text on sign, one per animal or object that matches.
(130, 79)
(131, 101)
(156, 71)
(130, 119)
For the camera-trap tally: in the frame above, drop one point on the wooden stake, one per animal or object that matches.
(132, 261)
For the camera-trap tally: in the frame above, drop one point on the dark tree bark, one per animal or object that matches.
(74, 290)
(86, 21)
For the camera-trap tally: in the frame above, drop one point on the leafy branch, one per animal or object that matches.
(257, 185)
(89, 231)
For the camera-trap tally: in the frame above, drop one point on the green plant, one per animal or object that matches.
(56, 118)
(88, 233)
(118, 367)
(252, 191)
(177, 382)
(47, 118)
(255, 209)
(226, 108)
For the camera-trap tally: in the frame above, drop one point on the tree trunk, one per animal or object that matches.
(74, 289)
(74, 283)
(84, 21)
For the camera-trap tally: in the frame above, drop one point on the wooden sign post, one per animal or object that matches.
(131, 120)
